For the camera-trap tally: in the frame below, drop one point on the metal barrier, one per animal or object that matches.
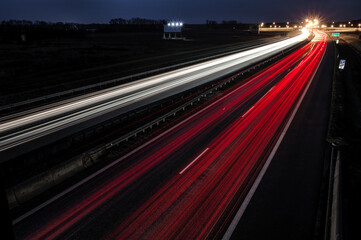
(336, 212)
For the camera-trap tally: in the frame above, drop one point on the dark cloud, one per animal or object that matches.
(197, 11)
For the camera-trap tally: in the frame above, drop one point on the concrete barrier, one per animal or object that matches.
(336, 212)
(38, 184)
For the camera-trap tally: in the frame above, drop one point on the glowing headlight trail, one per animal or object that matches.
(26, 128)
(227, 168)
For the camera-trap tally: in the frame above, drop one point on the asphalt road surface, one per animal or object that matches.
(286, 202)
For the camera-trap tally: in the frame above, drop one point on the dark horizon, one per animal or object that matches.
(159, 20)
(95, 11)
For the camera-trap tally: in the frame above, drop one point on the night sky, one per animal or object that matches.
(190, 11)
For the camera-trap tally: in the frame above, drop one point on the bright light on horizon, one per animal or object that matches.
(175, 24)
(312, 24)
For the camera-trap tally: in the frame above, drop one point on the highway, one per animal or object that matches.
(188, 182)
(286, 203)
(50, 123)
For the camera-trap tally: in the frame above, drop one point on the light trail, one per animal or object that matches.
(188, 166)
(200, 202)
(27, 128)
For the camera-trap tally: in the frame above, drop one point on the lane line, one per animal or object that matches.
(257, 102)
(199, 156)
(248, 111)
(256, 183)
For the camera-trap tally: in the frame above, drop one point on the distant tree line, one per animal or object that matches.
(25, 31)
(223, 22)
(226, 24)
(137, 21)
(17, 22)
(120, 21)
(118, 24)
(39, 24)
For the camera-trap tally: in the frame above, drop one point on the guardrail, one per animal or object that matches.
(333, 223)
(336, 216)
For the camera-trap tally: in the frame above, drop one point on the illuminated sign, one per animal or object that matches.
(173, 27)
(342, 64)
(335, 34)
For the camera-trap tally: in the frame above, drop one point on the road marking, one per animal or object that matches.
(247, 111)
(200, 155)
(257, 102)
(254, 187)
